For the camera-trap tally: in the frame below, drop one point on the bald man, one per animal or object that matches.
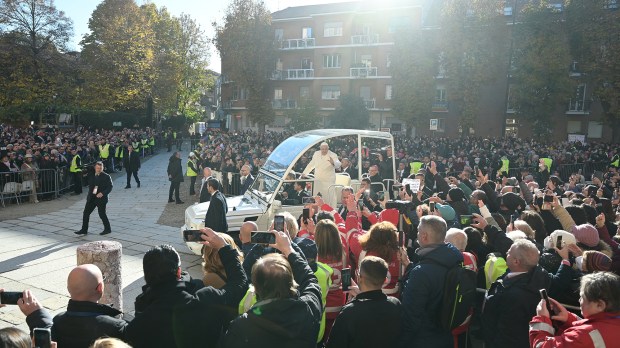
(85, 319)
(245, 236)
(205, 196)
(246, 179)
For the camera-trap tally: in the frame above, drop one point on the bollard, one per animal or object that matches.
(107, 256)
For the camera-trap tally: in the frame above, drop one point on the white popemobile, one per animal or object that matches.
(263, 199)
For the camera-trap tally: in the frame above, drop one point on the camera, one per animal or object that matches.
(402, 206)
(10, 297)
(263, 237)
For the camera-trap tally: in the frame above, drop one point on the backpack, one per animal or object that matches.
(459, 292)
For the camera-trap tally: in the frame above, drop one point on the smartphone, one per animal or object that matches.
(476, 169)
(308, 200)
(548, 199)
(278, 223)
(380, 195)
(401, 238)
(466, 220)
(345, 275)
(192, 235)
(305, 215)
(431, 205)
(42, 338)
(360, 204)
(10, 297)
(558, 242)
(263, 237)
(543, 295)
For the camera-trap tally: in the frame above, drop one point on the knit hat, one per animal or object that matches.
(551, 240)
(594, 261)
(456, 194)
(586, 234)
(550, 261)
(447, 212)
(512, 201)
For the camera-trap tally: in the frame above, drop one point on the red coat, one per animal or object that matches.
(599, 330)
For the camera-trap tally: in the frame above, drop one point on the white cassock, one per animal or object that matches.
(324, 172)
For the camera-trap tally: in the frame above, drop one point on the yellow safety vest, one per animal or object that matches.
(136, 145)
(191, 172)
(144, 143)
(548, 162)
(505, 166)
(119, 152)
(174, 135)
(74, 167)
(104, 151)
(415, 167)
(324, 276)
(152, 141)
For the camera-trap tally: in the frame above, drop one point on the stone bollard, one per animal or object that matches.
(107, 256)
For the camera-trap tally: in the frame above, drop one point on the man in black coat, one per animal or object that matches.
(131, 161)
(99, 187)
(370, 312)
(246, 179)
(299, 193)
(216, 214)
(85, 319)
(205, 196)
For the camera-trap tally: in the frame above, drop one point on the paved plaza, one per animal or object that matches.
(37, 251)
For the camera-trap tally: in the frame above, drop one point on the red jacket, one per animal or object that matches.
(599, 330)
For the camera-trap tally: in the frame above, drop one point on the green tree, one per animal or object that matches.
(34, 70)
(594, 35)
(351, 114)
(247, 47)
(413, 69)
(118, 56)
(541, 58)
(473, 50)
(304, 118)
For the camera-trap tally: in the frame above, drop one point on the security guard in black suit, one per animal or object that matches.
(99, 187)
(216, 214)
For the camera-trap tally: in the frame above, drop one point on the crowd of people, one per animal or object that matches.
(374, 270)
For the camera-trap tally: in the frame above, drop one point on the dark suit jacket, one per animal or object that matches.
(295, 197)
(351, 171)
(216, 214)
(103, 183)
(131, 163)
(246, 185)
(205, 196)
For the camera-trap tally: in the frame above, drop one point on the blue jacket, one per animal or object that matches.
(422, 296)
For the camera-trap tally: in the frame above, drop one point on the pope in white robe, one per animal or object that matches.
(324, 163)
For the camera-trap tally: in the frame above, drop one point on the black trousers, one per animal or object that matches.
(88, 209)
(135, 176)
(174, 188)
(192, 183)
(77, 182)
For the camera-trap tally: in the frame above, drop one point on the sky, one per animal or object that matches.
(204, 12)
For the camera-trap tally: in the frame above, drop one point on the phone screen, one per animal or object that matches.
(360, 204)
(466, 220)
(10, 297)
(42, 338)
(558, 242)
(192, 235)
(308, 200)
(548, 198)
(305, 215)
(431, 205)
(380, 195)
(263, 237)
(345, 274)
(278, 223)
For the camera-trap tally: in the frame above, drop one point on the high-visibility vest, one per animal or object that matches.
(119, 152)
(144, 143)
(548, 162)
(324, 276)
(136, 145)
(152, 141)
(190, 171)
(415, 167)
(74, 167)
(174, 135)
(505, 166)
(494, 268)
(104, 151)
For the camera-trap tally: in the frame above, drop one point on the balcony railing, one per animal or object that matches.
(292, 44)
(440, 106)
(363, 72)
(227, 104)
(295, 74)
(578, 107)
(365, 39)
(369, 103)
(284, 104)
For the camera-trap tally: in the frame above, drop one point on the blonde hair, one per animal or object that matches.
(525, 228)
(211, 258)
(109, 342)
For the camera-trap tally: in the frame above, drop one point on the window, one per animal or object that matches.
(388, 92)
(279, 34)
(330, 92)
(306, 63)
(595, 130)
(331, 61)
(440, 95)
(306, 33)
(332, 29)
(304, 92)
(277, 94)
(573, 127)
(507, 11)
(366, 60)
(388, 60)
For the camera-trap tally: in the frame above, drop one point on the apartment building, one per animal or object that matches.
(330, 50)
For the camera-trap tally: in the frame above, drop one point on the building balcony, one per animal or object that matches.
(578, 107)
(369, 103)
(293, 44)
(227, 104)
(284, 104)
(368, 39)
(440, 106)
(297, 74)
(363, 71)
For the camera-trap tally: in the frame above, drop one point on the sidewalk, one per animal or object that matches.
(38, 251)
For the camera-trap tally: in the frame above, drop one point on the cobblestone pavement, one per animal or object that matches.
(38, 246)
